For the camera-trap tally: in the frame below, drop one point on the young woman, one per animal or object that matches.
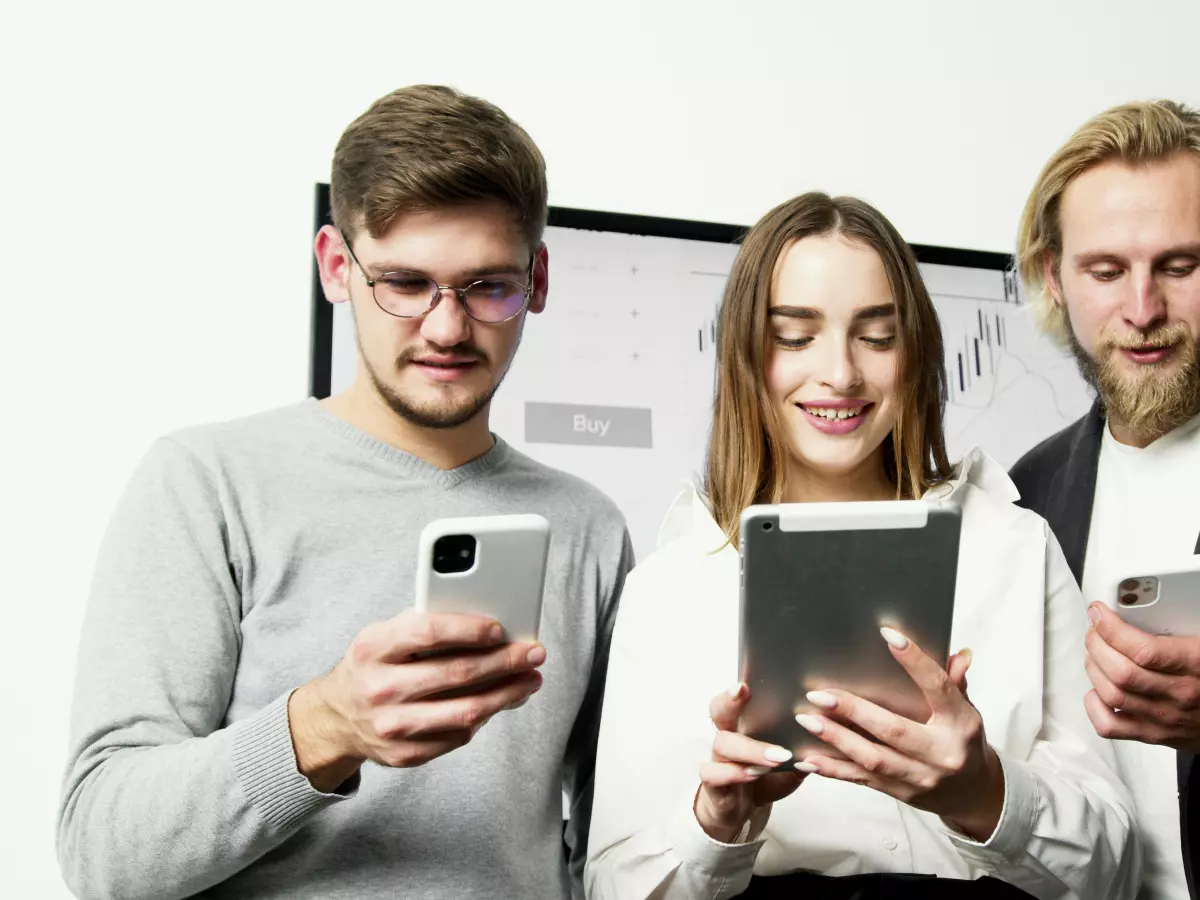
(830, 387)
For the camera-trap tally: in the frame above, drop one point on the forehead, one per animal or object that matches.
(829, 271)
(448, 240)
(1133, 210)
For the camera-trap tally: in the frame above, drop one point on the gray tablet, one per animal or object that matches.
(818, 582)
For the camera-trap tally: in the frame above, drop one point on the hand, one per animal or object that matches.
(944, 766)
(737, 780)
(1146, 687)
(381, 701)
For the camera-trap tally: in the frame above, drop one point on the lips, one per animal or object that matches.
(836, 416)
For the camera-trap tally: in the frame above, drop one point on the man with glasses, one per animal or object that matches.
(256, 711)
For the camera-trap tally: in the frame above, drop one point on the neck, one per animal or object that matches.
(1130, 437)
(867, 482)
(445, 448)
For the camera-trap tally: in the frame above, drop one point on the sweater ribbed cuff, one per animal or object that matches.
(264, 760)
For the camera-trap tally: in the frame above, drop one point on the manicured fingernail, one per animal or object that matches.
(810, 723)
(1093, 614)
(776, 754)
(822, 699)
(736, 691)
(806, 767)
(893, 637)
(496, 634)
(757, 770)
(537, 655)
(965, 655)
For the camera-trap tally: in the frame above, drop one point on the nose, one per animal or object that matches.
(839, 370)
(447, 324)
(1145, 307)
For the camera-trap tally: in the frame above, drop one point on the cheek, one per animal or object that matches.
(783, 373)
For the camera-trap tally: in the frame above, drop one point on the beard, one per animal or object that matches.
(1155, 398)
(448, 413)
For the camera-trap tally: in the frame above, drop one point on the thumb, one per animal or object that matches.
(727, 706)
(957, 669)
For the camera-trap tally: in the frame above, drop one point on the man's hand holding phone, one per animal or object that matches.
(380, 701)
(1145, 687)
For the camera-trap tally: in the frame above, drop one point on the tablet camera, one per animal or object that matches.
(454, 553)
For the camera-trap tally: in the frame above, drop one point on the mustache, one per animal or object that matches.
(1162, 336)
(464, 351)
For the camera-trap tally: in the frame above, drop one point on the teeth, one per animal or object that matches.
(833, 413)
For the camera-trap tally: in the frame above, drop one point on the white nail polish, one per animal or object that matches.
(893, 637)
(805, 767)
(776, 755)
(757, 770)
(822, 699)
(810, 723)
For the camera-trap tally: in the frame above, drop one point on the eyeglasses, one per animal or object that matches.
(410, 295)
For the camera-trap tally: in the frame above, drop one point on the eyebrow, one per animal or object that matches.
(862, 314)
(1083, 260)
(506, 269)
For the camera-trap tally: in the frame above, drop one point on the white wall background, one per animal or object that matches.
(155, 209)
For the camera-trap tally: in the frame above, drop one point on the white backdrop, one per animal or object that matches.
(156, 215)
(629, 329)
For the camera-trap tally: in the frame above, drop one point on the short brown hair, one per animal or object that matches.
(1133, 133)
(746, 449)
(427, 147)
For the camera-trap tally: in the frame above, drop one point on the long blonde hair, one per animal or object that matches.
(747, 450)
(1133, 133)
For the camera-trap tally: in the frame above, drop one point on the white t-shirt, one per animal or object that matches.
(1147, 510)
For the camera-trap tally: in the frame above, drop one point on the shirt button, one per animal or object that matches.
(890, 843)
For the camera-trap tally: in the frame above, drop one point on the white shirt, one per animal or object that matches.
(1147, 510)
(1066, 828)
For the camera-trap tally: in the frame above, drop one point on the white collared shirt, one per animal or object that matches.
(1066, 828)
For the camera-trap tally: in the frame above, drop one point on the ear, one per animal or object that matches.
(1050, 277)
(333, 263)
(541, 279)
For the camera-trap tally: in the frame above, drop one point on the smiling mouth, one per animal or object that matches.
(835, 415)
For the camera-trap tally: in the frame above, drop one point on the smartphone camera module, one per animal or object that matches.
(1138, 591)
(453, 554)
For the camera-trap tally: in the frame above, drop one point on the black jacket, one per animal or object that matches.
(1057, 480)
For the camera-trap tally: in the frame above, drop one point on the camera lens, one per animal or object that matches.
(767, 526)
(454, 553)
(1129, 584)
(1129, 599)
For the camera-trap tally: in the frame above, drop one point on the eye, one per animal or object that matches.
(1105, 274)
(880, 343)
(1181, 271)
(792, 343)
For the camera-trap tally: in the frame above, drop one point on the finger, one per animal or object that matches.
(466, 712)
(894, 730)
(1113, 696)
(1123, 672)
(1122, 726)
(727, 706)
(411, 632)
(1158, 653)
(733, 747)
(852, 773)
(940, 693)
(717, 774)
(875, 759)
(415, 680)
(419, 750)
(957, 669)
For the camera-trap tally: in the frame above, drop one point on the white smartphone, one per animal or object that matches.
(1165, 602)
(491, 566)
(818, 582)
